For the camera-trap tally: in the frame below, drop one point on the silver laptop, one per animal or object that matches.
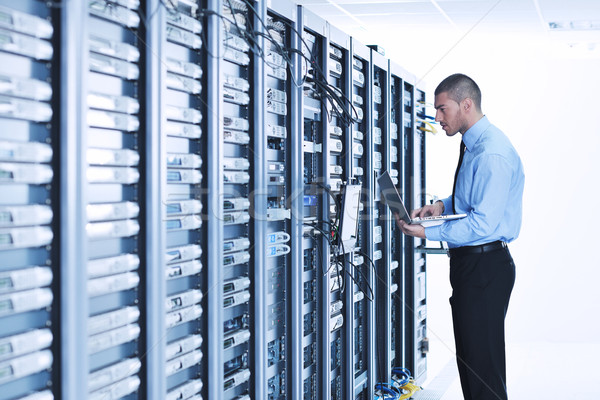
(394, 201)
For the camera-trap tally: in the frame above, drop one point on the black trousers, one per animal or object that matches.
(481, 288)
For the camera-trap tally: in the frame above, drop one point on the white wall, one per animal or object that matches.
(548, 104)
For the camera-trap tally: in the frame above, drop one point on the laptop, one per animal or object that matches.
(395, 203)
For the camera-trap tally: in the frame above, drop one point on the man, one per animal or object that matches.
(488, 187)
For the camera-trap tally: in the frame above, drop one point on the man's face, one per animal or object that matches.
(448, 114)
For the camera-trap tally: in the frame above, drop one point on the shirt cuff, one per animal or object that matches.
(434, 233)
(447, 206)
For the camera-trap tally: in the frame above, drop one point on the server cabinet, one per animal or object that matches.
(397, 261)
(363, 318)
(240, 118)
(381, 222)
(273, 242)
(182, 154)
(341, 119)
(113, 137)
(29, 201)
(317, 284)
(215, 205)
(340, 167)
(416, 343)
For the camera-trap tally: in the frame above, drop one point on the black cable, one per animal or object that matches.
(357, 268)
(323, 233)
(320, 76)
(376, 312)
(343, 264)
(370, 261)
(335, 199)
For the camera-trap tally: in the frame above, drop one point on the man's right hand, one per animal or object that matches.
(432, 210)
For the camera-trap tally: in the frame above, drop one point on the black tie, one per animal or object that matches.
(460, 160)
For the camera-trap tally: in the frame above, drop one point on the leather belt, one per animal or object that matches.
(482, 248)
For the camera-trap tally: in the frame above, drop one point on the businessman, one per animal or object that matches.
(488, 187)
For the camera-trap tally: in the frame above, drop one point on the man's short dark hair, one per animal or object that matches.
(459, 87)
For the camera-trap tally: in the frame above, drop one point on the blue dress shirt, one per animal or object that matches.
(489, 189)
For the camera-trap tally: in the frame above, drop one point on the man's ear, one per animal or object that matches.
(467, 104)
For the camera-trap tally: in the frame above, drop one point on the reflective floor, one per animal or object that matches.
(535, 371)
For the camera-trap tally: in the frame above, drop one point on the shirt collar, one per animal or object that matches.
(472, 135)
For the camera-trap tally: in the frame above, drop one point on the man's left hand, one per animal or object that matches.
(415, 230)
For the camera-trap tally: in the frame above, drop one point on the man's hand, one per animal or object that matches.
(432, 210)
(411, 230)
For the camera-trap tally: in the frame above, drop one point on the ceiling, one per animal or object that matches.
(523, 19)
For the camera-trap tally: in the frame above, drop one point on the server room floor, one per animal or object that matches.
(535, 370)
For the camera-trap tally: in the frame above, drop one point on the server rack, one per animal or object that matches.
(416, 342)
(317, 284)
(197, 175)
(340, 169)
(341, 128)
(279, 89)
(182, 154)
(363, 346)
(381, 220)
(29, 200)
(113, 229)
(241, 82)
(396, 168)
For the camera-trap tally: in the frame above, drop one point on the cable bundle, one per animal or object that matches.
(402, 386)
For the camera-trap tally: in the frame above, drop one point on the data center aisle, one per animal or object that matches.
(532, 371)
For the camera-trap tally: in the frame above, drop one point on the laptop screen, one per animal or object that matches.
(391, 196)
